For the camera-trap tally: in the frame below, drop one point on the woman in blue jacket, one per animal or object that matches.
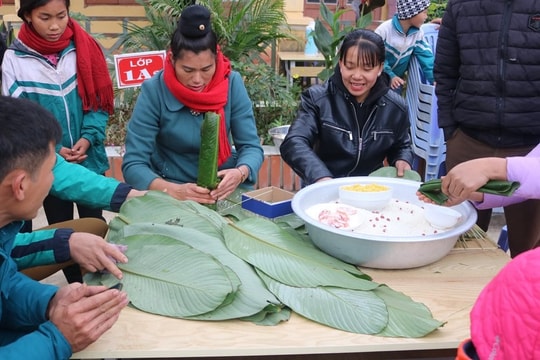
(164, 134)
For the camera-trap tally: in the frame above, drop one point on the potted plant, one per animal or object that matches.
(329, 33)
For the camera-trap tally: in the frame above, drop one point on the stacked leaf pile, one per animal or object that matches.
(187, 261)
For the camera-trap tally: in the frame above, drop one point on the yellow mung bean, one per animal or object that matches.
(366, 187)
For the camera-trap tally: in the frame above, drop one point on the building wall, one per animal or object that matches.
(107, 20)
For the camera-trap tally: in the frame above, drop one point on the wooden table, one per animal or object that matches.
(448, 287)
(311, 66)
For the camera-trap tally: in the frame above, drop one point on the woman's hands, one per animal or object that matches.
(230, 180)
(189, 191)
(463, 180)
(401, 166)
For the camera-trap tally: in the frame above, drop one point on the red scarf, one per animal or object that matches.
(212, 98)
(93, 81)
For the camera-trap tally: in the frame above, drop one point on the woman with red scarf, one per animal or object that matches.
(55, 63)
(164, 134)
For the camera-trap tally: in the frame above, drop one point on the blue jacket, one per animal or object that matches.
(27, 74)
(163, 137)
(400, 47)
(74, 183)
(25, 332)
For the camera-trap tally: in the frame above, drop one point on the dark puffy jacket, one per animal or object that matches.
(487, 70)
(334, 136)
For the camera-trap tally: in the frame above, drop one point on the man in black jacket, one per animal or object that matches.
(487, 71)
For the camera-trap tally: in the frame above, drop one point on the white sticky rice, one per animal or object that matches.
(398, 218)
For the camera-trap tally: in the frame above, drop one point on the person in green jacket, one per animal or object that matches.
(56, 63)
(81, 241)
(39, 321)
(164, 133)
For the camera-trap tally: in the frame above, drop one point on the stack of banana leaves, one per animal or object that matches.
(191, 262)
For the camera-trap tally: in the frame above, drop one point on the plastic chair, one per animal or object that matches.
(503, 239)
(427, 138)
(431, 33)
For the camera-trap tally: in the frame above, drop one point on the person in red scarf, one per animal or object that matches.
(55, 63)
(164, 133)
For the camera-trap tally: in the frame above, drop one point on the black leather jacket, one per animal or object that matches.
(335, 136)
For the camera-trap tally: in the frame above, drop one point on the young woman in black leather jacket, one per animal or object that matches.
(350, 124)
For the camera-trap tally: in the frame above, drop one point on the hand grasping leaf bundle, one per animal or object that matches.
(432, 189)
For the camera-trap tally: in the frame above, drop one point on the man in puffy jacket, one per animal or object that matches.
(487, 71)
(39, 321)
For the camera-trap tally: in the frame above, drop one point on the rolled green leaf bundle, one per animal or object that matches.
(208, 154)
(432, 189)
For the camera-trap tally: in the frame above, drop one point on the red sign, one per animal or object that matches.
(132, 69)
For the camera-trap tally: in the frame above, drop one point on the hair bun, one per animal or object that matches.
(195, 21)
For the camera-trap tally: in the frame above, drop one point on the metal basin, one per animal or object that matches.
(374, 251)
(278, 134)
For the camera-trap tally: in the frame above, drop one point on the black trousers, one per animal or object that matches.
(58, 210)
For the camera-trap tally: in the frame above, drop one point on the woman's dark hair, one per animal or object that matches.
(371, 50)
(27, 6)
(180, 43)
(193, 32)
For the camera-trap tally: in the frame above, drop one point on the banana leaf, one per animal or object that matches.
(277, 252)
(355, 311)
(391, 172)
(161, 208)
(167, 277)
(251, 298)
(407, 318)
(270, 316)
(290, 261)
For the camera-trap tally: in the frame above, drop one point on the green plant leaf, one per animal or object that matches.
(288, 259)
(251, 298)
(350, 310)
(323, 40)
(364, 21)
(391, 171)
(161, 208)
(326, 14)
(270, 316)
(407, 318)
(167, 277)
